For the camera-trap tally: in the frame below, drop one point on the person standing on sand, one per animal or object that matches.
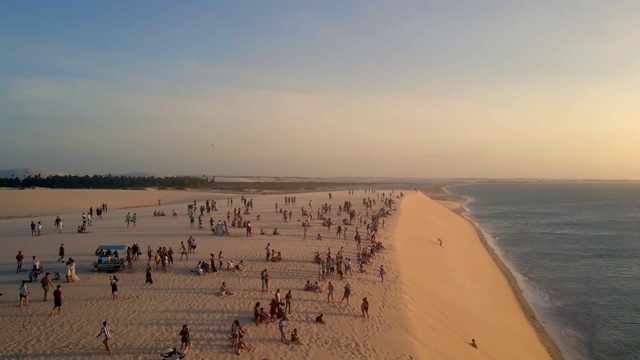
(134, 219)
(106, 332)
(266, 279)
(287, 299)
(185, 338)
(268, 250)
(24, 293)
(127, 219)
(347, 293)
(148, 279)
(33, 229)
(262, 280)
(382, 272)
(213, 263)
(19, 259)
(114, 287)
(364, 307)
(46, 285)
(330, 289)
(57, 300)
(61, 253)
(58, 223)
(282, 325)
(248, 228)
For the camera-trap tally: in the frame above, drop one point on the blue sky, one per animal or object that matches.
(428, 89)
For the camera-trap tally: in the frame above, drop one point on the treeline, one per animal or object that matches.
(108, 182)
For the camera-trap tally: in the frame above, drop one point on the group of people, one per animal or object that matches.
(337, 264)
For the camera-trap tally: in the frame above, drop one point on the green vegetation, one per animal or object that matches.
(108, 182)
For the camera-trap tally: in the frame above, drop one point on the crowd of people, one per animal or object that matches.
(331, 267)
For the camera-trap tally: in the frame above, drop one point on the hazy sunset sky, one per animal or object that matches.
(322, 88)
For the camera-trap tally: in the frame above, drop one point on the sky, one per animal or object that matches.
(491, 89)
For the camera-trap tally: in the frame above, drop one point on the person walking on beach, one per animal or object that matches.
(57, 300)
(61, 253)
(134, 219)
(106, 332)
(183, 250)
(382, 272)
(46, 285)
(127, 219)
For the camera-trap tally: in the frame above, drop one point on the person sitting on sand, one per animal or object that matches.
(230, 265)
(276, 232)
(239, 267)
(308, 286)
(264, 317)
(206, 268)
(240, 345)
(319, 237)
(173, 354)
(224, 291)
(198, 269)
(237, 329)
(262, 232)
(320, 319)
(294, 337)
(473, 343)
(316, 288)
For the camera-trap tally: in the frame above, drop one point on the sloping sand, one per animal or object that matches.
(432, 302)
(457, 292)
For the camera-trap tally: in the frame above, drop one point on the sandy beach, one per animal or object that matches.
(432, 302)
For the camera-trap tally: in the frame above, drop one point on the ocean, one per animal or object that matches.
(575, 250)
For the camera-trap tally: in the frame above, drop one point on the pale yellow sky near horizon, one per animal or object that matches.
(504, 91)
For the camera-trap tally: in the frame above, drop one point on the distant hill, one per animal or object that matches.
(29, 172)
(139, 174)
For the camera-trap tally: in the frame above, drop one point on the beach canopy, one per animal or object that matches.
(112, 247)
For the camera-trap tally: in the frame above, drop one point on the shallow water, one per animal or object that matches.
(577, 248)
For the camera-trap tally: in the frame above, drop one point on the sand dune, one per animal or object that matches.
(432, 301)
